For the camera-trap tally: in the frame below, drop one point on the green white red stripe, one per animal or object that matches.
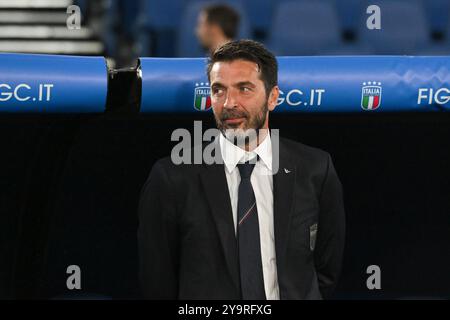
(371, 102)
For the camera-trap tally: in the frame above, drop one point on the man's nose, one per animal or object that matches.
(230, 101)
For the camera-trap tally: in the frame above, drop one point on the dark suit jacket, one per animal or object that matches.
(187, 243)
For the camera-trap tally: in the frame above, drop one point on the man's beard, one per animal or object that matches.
(249, 132)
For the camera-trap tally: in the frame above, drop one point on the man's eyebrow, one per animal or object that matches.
(239, 84)
(217, 84)
(245, 83)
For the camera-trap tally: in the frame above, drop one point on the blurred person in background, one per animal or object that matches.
(217, 24)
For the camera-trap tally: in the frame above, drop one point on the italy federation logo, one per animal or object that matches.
(371, 95)
(202, 98)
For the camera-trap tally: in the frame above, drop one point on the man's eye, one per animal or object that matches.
(217, 91)
(245, 89)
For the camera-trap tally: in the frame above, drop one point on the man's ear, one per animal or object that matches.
(273, 98)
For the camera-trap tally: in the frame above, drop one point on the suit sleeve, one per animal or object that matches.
(157, 237)
(329, 249)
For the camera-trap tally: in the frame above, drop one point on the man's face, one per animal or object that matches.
(203, 31)
(239, 97)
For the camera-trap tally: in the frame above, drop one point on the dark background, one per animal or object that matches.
(70, 186)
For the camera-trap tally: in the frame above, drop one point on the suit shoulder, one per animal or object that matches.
(299, 150)
(164, 163)
(175, 172)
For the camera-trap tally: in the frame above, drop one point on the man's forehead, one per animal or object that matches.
(235, 67)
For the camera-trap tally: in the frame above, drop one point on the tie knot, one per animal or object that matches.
(245, 169)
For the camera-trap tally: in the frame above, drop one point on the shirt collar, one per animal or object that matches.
(232, 154)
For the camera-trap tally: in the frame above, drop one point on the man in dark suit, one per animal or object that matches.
(266, 221)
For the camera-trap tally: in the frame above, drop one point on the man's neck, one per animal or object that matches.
(250, 146)
(219, 42)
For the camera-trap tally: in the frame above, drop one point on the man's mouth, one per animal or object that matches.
(235, 120)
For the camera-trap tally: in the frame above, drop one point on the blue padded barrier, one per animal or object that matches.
(312, 84)
(65, 84)
(31, 83)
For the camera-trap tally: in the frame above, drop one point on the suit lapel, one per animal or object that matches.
(283, 186)
(216, 190)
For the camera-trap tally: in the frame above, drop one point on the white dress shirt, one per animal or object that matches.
(262, 183)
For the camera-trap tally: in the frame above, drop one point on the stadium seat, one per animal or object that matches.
(438, 14)
(404, 28)
(187, 43)
(435, 50)
(83, 4)
(157, 24)
(349, 12)
(156, 13)
(447, 34)
(304, 28)
(130, 16)
(349, 49)
(259, 13)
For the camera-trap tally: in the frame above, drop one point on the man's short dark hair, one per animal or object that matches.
(248, 50)
(225, 17)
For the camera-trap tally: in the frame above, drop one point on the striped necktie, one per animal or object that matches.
(251, 272)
